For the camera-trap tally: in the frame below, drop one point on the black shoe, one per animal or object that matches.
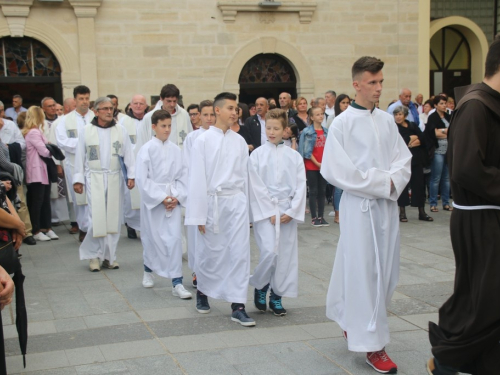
(202, 305)
(29, 240)
(316, 222)
(259, 299)
(275, 304)
(323, 222)
(131, 233)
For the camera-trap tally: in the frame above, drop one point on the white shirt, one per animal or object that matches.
(263, 136)
(330, 111)
(10, 133)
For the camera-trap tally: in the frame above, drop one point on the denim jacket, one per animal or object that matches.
(308, 140)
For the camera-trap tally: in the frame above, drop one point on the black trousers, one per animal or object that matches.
(417, 185)
(317, 192)
(38, 200)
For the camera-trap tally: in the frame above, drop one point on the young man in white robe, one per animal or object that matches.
(365, 156)
(67, 132)
(207, 119)
(277, 203)
(218, 205)
(162, 181)
(132, 121)
(102, 147)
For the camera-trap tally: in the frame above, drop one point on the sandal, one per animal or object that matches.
(403, 219)
(447, 208)
(434, 209)
(425, 218)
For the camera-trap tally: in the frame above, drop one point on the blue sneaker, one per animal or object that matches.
(275, 304)
(259, 299)
(202, 305)
(241, 317)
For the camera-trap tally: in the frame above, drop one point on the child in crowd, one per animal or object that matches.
(276, 216)
(311, 146)
(162, 180)
(291, 136)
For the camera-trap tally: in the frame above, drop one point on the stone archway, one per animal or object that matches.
(302, 70)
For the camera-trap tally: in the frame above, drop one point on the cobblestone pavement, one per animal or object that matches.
(107, 323)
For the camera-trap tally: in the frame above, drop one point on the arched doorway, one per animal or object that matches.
(450, 61)
(266, 75)
(30, 69)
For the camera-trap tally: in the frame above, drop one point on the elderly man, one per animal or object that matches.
(257, 124)
(419, 100)
(69, 105)
(49, 109)
(330, 97)
(102, 147)
(132, 122)
(68, 131)
(405, 99)
(59, 110)
(17, 108)
(285, 100)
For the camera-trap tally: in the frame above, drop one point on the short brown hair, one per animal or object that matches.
(492, 65)
(366, 64)
(169, 91)
(206, 103)
(160, 115)
(278, 114)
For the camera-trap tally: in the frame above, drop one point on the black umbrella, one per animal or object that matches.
(3, 366)
(21, 315)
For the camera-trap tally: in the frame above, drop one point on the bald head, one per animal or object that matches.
(69, 105)
(405, 96)
(261, 106)
(138, 106)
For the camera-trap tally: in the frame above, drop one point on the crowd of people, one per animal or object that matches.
(233, 166)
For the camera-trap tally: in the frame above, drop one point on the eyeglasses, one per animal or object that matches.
(193, 114)
(110, 109)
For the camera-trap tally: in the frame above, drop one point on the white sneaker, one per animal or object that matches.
(51, 234)
(94, 265)
(41, 237)
(148, 280)
(181, 292)
(332, 213)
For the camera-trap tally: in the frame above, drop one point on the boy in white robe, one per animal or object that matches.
(218, 205)
(194, 240)
(101, 145)
(162, 178)
(277, 173)
(365, 156)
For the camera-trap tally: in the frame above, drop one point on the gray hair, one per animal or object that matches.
(1, 104)
(99, 101)
(401, 109)
(45, 99)
(18, 97)
(315, 102)
(331, 92)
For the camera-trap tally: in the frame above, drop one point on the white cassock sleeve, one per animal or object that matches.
(128, 153)
(181, 181)
(144, 132)
(197, 204)
(298, 204)
(79, 171)
(339, 170)
(67, 144)
(152, 195)
(261, 206)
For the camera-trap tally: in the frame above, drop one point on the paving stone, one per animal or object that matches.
(422, 320)
(36, 362)
(205, 363)
(54, 371)
(309, 363)
(131, 349)
(70, 324)
(84, 356)
(114, 319)
(191, 343)
(410, 307)
(155, 365)
(117, 367)
(259, 368)
(280, 334)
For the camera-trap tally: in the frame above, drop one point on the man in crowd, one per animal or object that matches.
(285, 100)
(49, 108)
(330, 97)
(69, 105)
(68, 130)
(257, 124)
(59, 110)
(16, 109)
(466, 339)
(405, 99)
(194, 115)
(132, 121)
(117, 115)
(372, 172)
(102, 144)
(419, 103)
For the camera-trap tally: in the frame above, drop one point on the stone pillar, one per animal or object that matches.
(85, 11)
(424, 47)
(16, 12)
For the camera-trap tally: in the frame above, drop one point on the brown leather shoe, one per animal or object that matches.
(82, 236)
(74, 230)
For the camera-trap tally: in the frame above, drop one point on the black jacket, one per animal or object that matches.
(253, 125)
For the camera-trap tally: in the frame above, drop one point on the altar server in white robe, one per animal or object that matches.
(218, 205)
(132, 121)
(162, 181)
(181, 125)
(365, 156)
(102, 148)
(67, 132)
(194, 240)
(277, 203)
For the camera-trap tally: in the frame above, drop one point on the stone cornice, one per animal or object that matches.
(229, 9)
(85, 8)
(16, 12)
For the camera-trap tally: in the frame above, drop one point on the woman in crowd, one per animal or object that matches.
(415, 140)
(311, 146)
(301, 118)
(341, 103)
(244, 113)
(291, 136)
(37, 179)
(242, 130)
(436, 131)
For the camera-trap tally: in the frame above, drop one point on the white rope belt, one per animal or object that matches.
(220, 193)
(473, 208)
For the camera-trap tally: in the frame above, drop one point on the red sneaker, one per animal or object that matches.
(381, 362)
(345, 335)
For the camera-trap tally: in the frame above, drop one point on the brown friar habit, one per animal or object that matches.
(468, 333)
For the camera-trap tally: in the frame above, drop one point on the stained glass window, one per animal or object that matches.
(267, 68)
(26, 57)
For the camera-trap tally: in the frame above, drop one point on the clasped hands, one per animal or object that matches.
(284, 219)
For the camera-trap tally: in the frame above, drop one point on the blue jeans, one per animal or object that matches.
(336, 198)
(440, 179)
(175, 281)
